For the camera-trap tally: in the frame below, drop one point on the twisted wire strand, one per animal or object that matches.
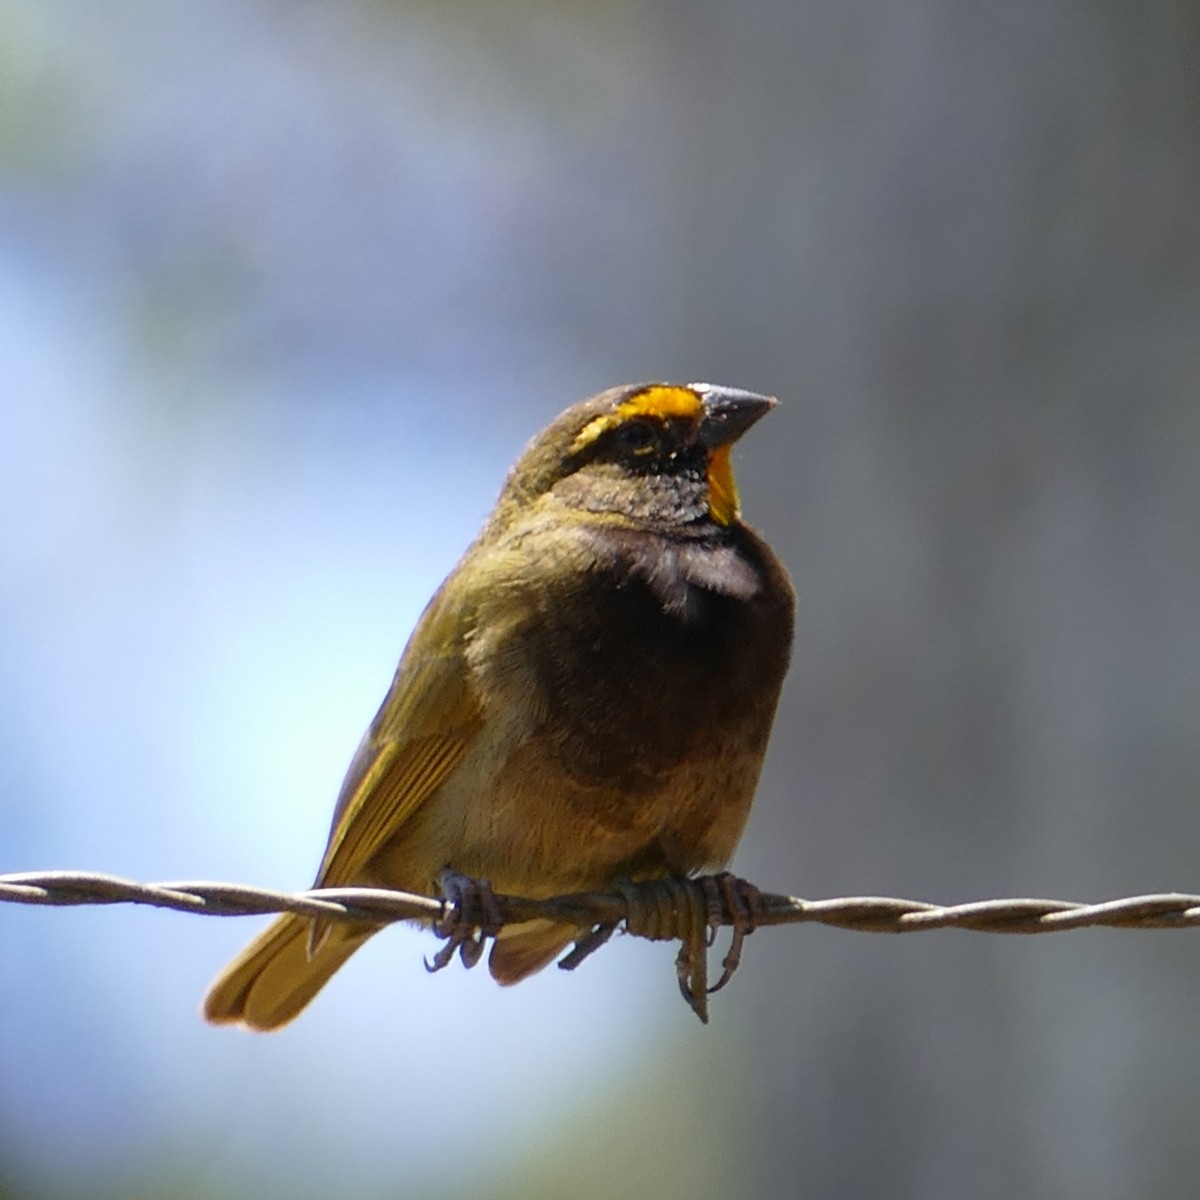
(869, 914)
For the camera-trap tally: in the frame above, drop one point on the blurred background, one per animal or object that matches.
(284, 288)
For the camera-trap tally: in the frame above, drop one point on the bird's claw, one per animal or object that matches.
(471, 915)
(734, 902)
(692, 910)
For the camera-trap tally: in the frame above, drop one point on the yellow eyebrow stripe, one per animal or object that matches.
(659, 401)
(662, 402)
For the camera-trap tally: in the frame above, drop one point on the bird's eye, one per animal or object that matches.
(637, 437)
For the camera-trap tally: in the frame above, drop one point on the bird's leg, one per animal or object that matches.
(734, 902)
(471, 917)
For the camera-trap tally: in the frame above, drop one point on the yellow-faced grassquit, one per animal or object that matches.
(585, 701)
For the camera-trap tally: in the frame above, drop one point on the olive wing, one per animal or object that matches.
(422, 731)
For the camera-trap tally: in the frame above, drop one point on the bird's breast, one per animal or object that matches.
(641, 653)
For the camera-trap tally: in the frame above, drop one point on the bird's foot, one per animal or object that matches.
(669, 910)
(471, 915)
(690, 910)
(734, 902)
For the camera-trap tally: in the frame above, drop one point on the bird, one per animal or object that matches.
(585, 701)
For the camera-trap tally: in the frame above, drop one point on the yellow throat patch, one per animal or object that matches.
(724, 505)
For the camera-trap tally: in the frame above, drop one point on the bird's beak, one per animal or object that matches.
(728, 412)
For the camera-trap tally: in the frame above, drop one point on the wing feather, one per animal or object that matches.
(422, 731)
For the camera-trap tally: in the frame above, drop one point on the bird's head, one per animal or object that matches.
(655, 455)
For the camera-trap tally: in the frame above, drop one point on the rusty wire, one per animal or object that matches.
(872, 914)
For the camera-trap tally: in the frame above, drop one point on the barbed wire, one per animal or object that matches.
(658, 910)
(869, 914)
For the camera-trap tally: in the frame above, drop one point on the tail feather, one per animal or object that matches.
(521, 950)
(272, 980)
